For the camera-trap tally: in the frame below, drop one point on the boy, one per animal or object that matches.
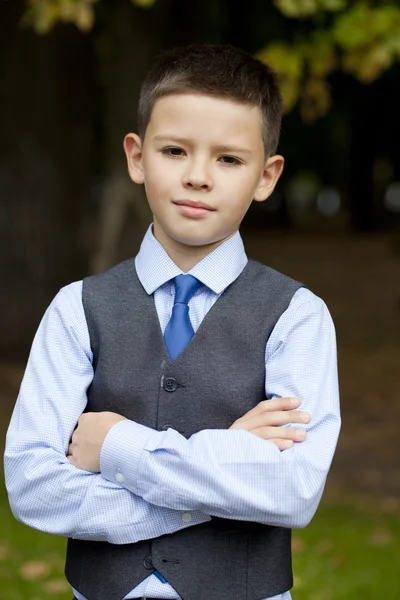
(177, 437)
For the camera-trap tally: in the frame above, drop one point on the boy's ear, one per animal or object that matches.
(133, 151)
(272, 171)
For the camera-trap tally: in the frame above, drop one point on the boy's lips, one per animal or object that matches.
(194, 203)
(193, 208)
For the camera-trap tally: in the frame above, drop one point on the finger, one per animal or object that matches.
(283, 433)
(282, 444)
(273, 405)
(277, 418)
(87, 417)
(273, 419)
(82, 418)
(284, 417)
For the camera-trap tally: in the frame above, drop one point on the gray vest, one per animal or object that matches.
(218, 377)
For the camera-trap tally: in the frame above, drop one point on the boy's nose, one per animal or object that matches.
(198, 177)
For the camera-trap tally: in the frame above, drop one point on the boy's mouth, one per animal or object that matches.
(194, 203)
(193, 208)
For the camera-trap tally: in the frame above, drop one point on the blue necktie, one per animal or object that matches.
(179, 330)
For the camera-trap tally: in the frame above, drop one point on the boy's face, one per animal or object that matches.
(202, 163)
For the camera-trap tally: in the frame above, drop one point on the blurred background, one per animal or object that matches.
(70, 73)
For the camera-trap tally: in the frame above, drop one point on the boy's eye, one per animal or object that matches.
(173, 151)
(230, 160)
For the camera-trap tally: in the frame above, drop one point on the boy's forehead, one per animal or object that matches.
(201, 113)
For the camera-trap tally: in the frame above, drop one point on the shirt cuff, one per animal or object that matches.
(122, 451)
(119, 461)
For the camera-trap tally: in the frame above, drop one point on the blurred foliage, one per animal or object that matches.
(361, 38)
(308, 8)
(42, 15)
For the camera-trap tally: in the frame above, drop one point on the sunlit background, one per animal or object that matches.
(70, 73)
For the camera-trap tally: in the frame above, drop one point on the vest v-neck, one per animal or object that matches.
(205, 323)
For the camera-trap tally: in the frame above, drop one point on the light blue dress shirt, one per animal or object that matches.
(154, 483)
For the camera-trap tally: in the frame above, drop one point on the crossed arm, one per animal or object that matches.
(241, 475)
(266, 421)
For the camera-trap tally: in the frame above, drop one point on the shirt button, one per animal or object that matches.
(165, 427)
(148, 563)
(119, 477)
(170, 384)
(186, 517)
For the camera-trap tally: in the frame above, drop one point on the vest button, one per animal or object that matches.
(165, 427)
(148, 563)
(170, 384)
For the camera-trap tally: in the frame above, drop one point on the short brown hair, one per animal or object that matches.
(218, 70)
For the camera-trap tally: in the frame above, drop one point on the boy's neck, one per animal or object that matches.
(184, 256)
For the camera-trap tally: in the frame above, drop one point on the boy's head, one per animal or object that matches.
(216, 70)
(209, 119)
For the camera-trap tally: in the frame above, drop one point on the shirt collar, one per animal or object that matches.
(217, 270)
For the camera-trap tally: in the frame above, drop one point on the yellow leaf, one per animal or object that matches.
(290, 93)
(67, 10)
(286, 60)
(298, 9)
(43, 16)
(382, 537)
(316, 100)
(84, 18)
(297, 582)
(297, 545)
(143, 3)
(321, 54)
(34, 570)
(367, 63)
(56, 586)
(355, 27)
(302, 9)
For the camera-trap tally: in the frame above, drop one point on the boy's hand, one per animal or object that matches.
(87, 439)
(266, 419)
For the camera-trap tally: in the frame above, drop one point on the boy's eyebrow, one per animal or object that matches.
(171, 138)
(229, 149)
(181, 140)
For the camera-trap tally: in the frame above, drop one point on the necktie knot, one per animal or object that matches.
(185, 287)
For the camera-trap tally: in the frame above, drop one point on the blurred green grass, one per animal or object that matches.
(31, 562)
(350, 550)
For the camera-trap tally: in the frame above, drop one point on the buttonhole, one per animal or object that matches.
(173, 561)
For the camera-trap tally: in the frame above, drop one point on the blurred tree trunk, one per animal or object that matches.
(131, 38)
(45, 156)
(363, 149)
(124, 48)
(375, 132)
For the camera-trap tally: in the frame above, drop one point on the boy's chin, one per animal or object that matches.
(198, 241)
(187, 237)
